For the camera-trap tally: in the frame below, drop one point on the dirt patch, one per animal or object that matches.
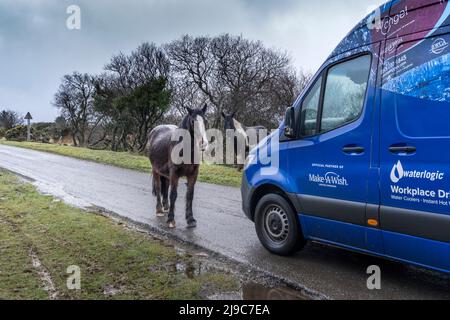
(44, 275)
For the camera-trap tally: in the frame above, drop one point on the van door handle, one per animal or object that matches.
(353, 150)
(403, 149)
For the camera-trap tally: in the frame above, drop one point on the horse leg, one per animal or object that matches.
(174, 179)
(191, 222)
(157, 194)
(165, 193)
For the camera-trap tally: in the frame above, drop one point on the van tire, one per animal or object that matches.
(277, 226)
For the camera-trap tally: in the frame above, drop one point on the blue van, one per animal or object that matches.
(364, 153)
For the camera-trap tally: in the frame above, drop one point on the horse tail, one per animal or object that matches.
(164, 185)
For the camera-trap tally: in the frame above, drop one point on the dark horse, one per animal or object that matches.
(166, 173)
(240, 130)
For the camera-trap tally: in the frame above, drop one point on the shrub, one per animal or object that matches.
(18, 133)
(46, 132)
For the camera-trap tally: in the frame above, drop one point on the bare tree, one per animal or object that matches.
(191, 58)
(74, 99)
(9, 119)
(253, 76)
(235, 75)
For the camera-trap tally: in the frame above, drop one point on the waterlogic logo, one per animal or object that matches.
(398, 173)
(439, 45)
(331, 179)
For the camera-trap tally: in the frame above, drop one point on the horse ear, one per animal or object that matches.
(233, 115)
(224, 115)
(205, 108)
(190, 111)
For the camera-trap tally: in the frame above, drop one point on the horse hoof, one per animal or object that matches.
(160, 213)
(192, 224)
(172, 225)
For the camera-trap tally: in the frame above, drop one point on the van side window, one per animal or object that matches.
(422, 92)
(310, 109)
(345, 92)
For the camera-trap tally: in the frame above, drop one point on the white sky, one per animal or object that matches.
(36, 48)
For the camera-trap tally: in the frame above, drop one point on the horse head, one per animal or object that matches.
(195, 122)
(229, 121)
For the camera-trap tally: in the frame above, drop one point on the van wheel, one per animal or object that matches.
(277, 226)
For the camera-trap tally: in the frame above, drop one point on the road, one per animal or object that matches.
(324, 272)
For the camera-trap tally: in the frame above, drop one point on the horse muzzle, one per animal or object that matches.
(204, 146)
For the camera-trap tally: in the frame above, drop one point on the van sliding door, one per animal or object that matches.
(415, 149)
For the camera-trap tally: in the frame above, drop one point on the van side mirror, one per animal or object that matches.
(289, 123)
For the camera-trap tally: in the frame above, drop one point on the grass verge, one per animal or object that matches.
(214, 174)
(115, 262)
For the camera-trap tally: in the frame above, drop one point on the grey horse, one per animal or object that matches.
(230, 123)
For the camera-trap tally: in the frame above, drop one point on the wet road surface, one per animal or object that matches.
(324, 272)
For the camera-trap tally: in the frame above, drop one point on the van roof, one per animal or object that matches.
(361, 34)
(367, 31)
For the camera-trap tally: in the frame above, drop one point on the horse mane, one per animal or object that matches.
(243, 126)
(184, 123)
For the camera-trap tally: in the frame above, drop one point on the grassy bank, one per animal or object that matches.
(220, 175)
(41, 237)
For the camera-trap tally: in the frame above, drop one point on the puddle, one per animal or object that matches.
(57, 191)
(259, 292)
(255, 291)
(227, 296)
(192, 266)
(111, 291)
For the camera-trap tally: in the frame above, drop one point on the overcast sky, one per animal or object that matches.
(37, 49)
